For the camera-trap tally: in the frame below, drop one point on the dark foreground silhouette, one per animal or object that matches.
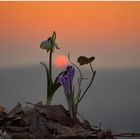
(39, 121)
(45, 121)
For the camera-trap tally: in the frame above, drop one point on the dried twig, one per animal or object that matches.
(132, 135)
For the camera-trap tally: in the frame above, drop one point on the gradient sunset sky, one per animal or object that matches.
(110, 31)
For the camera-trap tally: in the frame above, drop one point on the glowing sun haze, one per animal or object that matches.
(110, 31)
(60, 61)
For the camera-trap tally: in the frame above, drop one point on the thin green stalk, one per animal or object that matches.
(75, 66)
(49, 99)
(69, 106)
(75, 110)
(49, 84)
(50, 64)
(79, 80)
(94, 72)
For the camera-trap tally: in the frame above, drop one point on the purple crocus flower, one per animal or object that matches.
(70, 71)
(66, 79)
(65, 82)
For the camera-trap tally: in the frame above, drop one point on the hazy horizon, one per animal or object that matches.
(113, 99)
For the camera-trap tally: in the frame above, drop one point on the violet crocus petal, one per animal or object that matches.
(70, 71)
(65, 82)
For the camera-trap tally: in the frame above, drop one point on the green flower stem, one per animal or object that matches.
(49, 91)
(49, 99)
(70, 103)
(75, 66)
(79, 91)
(75, 108)
(79, 81)
(50, 65)
(94, 72)
(70, 107)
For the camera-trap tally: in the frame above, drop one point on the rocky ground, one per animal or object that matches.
(42, 121)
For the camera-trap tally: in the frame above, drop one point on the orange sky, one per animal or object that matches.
(108, 30)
